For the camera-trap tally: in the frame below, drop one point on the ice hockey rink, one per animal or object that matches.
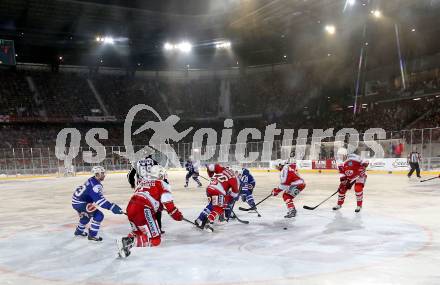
(394, 240)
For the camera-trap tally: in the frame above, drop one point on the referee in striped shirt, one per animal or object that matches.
(414, 160)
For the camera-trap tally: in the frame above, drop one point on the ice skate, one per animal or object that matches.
(358, 209)
(200, 224)
(124, 246)
(209, 227)
(78, 233)
(291, 213)
(94, 238)
(337, 207)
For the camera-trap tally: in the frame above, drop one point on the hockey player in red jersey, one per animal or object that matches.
(224, 187)
(150, 194)
(214, 168)
(290, 183)
(352, 172)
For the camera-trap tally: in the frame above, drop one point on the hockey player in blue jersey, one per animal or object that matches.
(247, 185)
(193, 171)
(85, 199)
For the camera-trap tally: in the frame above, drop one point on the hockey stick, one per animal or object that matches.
(232, 212)
(238, 219)
(349, 183)
(188, 221)
(313, 208)
(204, 178)
(429, 179)
(253, 208)
(194, 224)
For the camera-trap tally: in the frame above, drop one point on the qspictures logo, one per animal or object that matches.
(207, 139)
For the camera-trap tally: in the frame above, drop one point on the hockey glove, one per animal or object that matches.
(344, 180)
(116, 209)
(276, 191)
(176, 215)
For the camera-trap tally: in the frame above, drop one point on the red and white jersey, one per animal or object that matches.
(214, 168)
(225, 182)
(353, 169)
(153, 194)
(289, 176)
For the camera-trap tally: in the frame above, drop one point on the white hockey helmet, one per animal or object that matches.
(279, 163)
(353, 156)
(210, 167)
(98, 169)
(237, 170)
(157, 172)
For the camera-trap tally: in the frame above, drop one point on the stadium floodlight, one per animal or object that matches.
(351, 2)
(168, 46)
(330, 29)
(109, 40)
(223, 45)
(376, 13)
(184, 47)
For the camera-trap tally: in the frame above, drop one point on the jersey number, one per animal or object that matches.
(144, 170)
(80, 190)
(222, 177)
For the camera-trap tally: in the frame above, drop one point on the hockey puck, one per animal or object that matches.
(285, 228)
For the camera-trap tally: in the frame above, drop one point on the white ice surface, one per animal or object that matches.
(394, 240)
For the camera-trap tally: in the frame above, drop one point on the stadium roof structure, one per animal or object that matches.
(262, 31)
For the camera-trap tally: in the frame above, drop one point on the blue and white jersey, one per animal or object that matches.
(247, 181)
(91, 192)
(192, 166)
